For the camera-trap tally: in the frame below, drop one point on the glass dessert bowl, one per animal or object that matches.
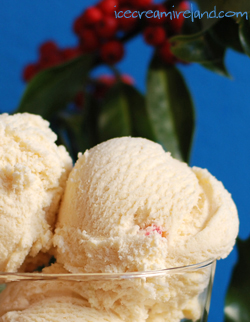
(173, 295)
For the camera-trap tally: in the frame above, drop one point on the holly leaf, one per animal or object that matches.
(77, 129)
(224, 5)
(237, 308)
(52, 89)
(200, 48)
(244, 34)
(191, 27)
(124, 113)
(72, 133)
(202, 16)
(114, 119)
(226, 33)
(170, 110)
(213, 10)
(140, 123)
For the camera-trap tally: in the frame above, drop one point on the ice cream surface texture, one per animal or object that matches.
(130, 206)
(33, 173)
(60, 309)
(168, 298)
(52, 301)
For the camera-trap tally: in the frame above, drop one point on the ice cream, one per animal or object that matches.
(33, 173)
(168, 298)
(51, 301)
(60, 309)
(130, 206)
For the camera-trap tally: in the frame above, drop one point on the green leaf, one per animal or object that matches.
(207, 9)
(200, 48)
(237, 307)
(91, 116)
(191, 27)
(123, 113)
(244, 33)
(170, 110)
(72, 133)
(114, 119)
(140, 123)
(52, 89)
(78, 129)
(213, 8)
(224, 5)
(226, 33)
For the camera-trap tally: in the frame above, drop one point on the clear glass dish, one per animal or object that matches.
(169, 295)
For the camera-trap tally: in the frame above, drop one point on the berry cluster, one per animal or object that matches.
(100, 32)
(100, 86)
(105, 82)
(158, 31)
(49, 55)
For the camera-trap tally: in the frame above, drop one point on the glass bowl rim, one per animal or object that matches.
(11, 277)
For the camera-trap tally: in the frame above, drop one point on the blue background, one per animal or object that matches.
(222, 135)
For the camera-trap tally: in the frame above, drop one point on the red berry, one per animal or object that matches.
(48, 48)
(70, 53)
(103, 84)
(78, 25)
(108, 6)
(154, 35)
(49, 55)
(183, 6)
(92, 15)
(160, 15)
(127, 24)
(177, 23)
(112, 52)
(110, 80)
(141, 3)
(127, 79)
(88, 40)
(29, 72)
(51, 61)
(107, 27)
(107, 80)
(166, 55)
(124, 3)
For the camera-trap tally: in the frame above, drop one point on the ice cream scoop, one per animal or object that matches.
(165, 296)
(33, 173)
(130, 206)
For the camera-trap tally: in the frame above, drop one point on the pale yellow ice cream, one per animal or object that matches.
(168, 298)
(66, 309)
(33, 172)
(130, 206)
(50, 301)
